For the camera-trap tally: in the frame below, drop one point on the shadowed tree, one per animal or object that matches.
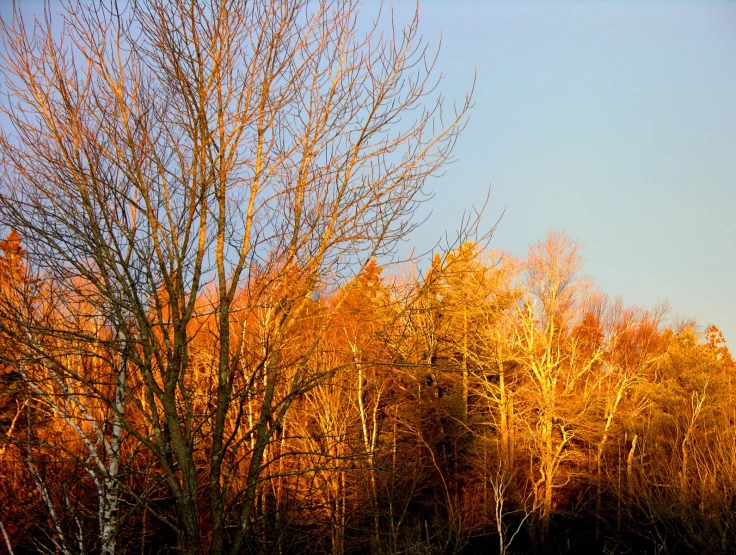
(159, 150)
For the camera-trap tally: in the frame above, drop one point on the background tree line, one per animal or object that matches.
(200, 353)
(491, 402)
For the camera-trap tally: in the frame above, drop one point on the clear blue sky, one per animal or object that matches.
(615, 121)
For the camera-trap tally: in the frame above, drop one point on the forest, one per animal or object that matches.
(209, 342)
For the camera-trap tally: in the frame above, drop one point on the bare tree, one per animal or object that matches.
(555, 354)
(170, 160)
(500, 485)
(50, 367)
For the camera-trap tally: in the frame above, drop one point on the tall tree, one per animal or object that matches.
(159, 150)
(556, 352)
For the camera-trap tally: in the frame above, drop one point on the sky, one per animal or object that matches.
(613, 121)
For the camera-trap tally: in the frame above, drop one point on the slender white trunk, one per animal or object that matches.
(110, 497)
(7, 539)
(369, 443)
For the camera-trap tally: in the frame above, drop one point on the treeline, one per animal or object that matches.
(487, 404)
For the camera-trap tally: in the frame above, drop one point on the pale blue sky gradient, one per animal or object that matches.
(614, 121)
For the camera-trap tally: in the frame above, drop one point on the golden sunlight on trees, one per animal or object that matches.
(578, 412)
(557, 346)
(207, 345)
